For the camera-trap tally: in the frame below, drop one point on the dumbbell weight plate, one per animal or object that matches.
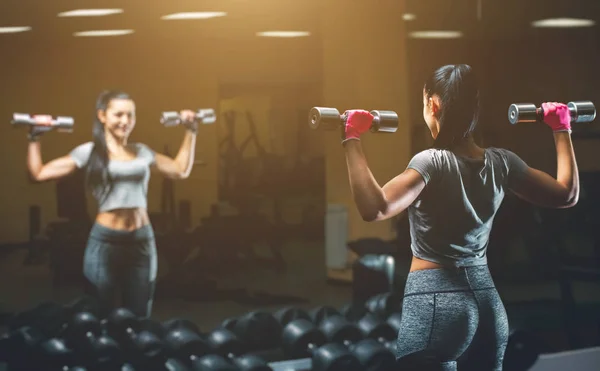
(582, 111)
(337, 329)
(54, 355)
(522, 112)
(373, 355)
(149, 350)
(324, 118)
(334, 357)
(318, 314)
(374, 328)
(207, 115)
(383, 305)
(353, 312)
(229, 323)
(384, 122)
(223, 342)
(297, 336)
(183, 343)
(259, 330)
(251, 362)
(213, 362)
(289, 314)
(179, 323)
(395, 320)
(106, 354)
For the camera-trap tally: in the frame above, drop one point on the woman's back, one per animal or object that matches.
(451, 220)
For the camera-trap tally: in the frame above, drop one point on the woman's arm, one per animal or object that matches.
(55, 169)
(181, 166)
(541, 189)
(374, 202)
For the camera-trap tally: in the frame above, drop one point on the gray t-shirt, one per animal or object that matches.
(451, 220)
(130, 177)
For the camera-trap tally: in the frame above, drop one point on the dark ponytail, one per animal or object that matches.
(98, 177)
(456, 85)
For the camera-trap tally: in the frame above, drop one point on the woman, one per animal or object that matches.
(121, 250)
(452, 193)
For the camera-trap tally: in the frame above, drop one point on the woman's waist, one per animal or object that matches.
(444, 278)
(126, 220)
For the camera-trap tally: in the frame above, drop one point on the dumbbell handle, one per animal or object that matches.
(61, 123)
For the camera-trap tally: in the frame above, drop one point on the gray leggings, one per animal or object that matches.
(448, 314)
(124, 261)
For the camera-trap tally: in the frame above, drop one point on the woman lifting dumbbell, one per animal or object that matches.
(121, 251)
(452, 193)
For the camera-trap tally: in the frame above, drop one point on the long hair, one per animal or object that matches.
(98, 178)
(456, 85)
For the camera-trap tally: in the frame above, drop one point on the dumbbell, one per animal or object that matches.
(318, 314)
(353, 311)
(204, 115)
(93, 349)
(302, 339)
(44, 122)
(370, 339)
(385, 304)
(140, 342)
(186, 346)
(288, 314)
(581, 112)
(230, 350)
(259, 330)
(35, 330)
(330, 119)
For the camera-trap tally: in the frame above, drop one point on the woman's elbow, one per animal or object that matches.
(36, 177)
(568, 200)
(182, 174)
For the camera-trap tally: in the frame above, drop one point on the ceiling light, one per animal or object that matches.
(194, 15)
(408, 17)
(562, 23)
(90, 12)
(436, 34)
(14, 29)
(283, 34)
(97, 33)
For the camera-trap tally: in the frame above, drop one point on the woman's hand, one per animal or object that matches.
(557, 116)
(357, 123)
(188, 119)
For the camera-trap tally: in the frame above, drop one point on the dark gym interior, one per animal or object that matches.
(247, 230)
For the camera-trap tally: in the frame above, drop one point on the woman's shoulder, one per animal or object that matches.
(143, 150)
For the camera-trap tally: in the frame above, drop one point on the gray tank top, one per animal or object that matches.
(130, 178)
(451, 220)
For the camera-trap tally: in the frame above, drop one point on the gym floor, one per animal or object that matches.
(24, 286)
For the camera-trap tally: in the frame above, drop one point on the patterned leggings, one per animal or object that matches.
(447, 312)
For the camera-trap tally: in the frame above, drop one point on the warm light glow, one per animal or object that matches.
(194, 15)
(283, 34)
(98, 33)
(14, 29)
(436, 34)
(90, 12)
(562, 23)
(409, 17)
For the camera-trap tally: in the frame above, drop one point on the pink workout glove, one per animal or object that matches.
(557, 116)
(357, 123)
